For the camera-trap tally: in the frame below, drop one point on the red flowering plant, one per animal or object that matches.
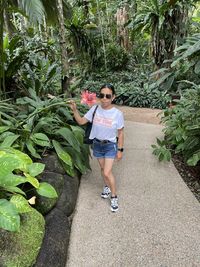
(88, 98)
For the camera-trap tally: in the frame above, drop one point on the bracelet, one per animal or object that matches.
(120, 149)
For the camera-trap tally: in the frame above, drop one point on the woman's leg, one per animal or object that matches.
(102, 163)
(108, 175)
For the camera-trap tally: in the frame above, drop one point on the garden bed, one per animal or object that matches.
(189, 174)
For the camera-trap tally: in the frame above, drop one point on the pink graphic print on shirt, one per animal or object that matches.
(106, 122)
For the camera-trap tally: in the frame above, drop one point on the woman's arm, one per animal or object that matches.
(120, 143)
(80, 120)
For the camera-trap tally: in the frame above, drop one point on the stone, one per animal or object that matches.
(53, 164)
(45, 204)
(67, 200)
(56, 240)
(21, 248)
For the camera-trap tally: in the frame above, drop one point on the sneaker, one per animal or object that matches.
(106, 192)
(114, 204)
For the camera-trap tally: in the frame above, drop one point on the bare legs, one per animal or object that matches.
(106, 172)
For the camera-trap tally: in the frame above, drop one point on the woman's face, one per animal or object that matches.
(106, 97)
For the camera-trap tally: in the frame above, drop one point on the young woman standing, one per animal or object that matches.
(108, 138)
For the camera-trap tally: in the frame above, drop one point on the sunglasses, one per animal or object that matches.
(108, 96)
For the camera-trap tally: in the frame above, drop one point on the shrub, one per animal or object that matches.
(182, 128)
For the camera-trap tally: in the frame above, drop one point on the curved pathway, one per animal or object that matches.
(157, 224)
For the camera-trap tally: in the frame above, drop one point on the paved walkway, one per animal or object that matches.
(158, 222)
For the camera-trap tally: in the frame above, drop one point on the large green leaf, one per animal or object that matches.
(68, 135)
(192, 161)
(11, 159)
(40, 139)
(62, 154)
(77, 159)
(69, 169)
(78, 132)
(32, 180)
(32, 150)
(197, 67)
(9, 218)
(10, 179)
(36, 168)
(14, 189)
(8, 141)
(20, 203)
(47, 190)
(34, 9)
(4, 128)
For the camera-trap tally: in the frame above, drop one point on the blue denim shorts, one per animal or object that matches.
(104, 150)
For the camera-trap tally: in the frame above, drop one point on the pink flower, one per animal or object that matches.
(88, 98)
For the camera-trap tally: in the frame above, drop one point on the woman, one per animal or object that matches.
(108, 138)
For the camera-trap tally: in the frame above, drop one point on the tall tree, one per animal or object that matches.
(166, 21)
(63, 47)
(2, 75)
(122, 31)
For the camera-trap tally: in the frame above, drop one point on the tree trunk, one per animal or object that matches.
(2, 73)
(63, 48)
(10, 29)
(165, 39)
(86, 10)
(122, 31)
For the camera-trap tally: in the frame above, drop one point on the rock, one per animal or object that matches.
(55, 243)
(67, 200)
(21, 248)
(45, 204)
(52, 164)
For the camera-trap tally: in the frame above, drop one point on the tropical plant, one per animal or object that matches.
(17, 168)
(185, 66)
(165, 21)
(38, 126)
(143, 96)
(182, 128)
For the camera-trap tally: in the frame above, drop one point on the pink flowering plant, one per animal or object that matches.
(88, 98)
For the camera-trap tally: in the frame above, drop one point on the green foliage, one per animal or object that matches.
(30, 63)
(135, 96)
(132, 89)
(185, 66)
(40, 121)
(161, 151)
(17, 168)
(182, 127)
(117, 57)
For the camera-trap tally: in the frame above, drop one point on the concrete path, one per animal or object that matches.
(158, 222)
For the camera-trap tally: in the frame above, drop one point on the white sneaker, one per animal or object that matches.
(106, 192)
(114, 204)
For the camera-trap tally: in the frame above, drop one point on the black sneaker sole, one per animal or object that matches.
(114, 210)
(105, 196)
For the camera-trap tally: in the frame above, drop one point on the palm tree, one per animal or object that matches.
(166, 22)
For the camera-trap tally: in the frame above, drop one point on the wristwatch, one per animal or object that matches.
(120, 149)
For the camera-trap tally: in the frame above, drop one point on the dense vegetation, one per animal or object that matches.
(50, 51)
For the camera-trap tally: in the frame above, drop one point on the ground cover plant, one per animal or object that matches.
(17, 168)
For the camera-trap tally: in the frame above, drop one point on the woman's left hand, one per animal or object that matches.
(119, 155)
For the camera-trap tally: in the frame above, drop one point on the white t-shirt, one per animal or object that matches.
(106, 123)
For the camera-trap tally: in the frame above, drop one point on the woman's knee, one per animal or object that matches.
(107, 174)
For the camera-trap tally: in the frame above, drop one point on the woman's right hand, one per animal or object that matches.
(72, 105)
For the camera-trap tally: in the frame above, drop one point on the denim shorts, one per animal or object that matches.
(104, 150)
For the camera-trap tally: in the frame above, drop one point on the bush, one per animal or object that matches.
(182, 131)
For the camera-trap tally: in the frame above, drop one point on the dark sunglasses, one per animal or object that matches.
(108, 96)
